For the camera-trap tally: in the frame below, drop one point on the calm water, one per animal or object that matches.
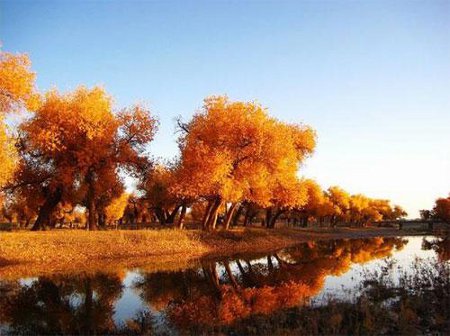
(211, 293)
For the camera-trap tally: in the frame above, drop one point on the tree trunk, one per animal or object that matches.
(171, 218)
(87, 321)
(46, 210)
(102, 219)
(238, 215)
(252, 215)
(269, 263)
(230, 213)
(92, 220)
(230, 275)
(160, 214)
(274, 219)
(246, 218)
(212, 221)
(136, 216)
(268, 217)
(207, 214)
(333, 221)
(305, 221)
(182, 215)
(210, 272)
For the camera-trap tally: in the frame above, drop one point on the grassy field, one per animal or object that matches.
(28, 253)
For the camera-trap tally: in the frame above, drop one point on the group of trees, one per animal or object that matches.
(440, 211)
(237, 164)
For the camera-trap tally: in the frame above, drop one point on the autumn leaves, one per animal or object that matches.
(235, 160)
(75, 145)
(234, 152)
(16, 92)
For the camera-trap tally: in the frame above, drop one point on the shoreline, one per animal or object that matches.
(71, 251)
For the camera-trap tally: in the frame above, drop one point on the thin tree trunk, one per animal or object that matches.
(101, 219)
(214, 212)
(207, 214)
(230, 275)
(230, 213)
(91, 206)
(305, 221)
(136, 216)
(92, 220)
(241, 269)
(252, 215)
(269, 263)
(268, 217)
(281, 263)
(238, 215)
(88, 322)
(182, 215)
(211, 274)
(246, 218)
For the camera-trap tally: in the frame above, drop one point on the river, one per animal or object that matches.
(230, 295)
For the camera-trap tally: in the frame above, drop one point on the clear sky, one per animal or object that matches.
(372, 77)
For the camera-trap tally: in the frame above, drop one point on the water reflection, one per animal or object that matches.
(78, 304)
(210, 294)
(441, 246)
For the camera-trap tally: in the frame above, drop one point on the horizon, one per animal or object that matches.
(371, 78)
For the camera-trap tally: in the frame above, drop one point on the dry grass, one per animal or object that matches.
(30, 253)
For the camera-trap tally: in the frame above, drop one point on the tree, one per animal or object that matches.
(17, 91)
(66, 137)
(315, 199)
(17, 83)
(426, 214)
(287, 195)
(233, 152)
(74, 146)
(340, 201)
(442, 209)
(398, 212)
(158, 195)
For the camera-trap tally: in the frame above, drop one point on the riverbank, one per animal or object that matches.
(31, 253)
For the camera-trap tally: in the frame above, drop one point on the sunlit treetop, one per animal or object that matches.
(70, 121)
(17, 83)
(236, 151)
(17, 91)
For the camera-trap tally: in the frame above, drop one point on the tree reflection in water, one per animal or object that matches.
(217, 293)
(222, 292)
(440, 245)
(81, 304)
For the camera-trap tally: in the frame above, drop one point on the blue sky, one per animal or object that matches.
(372, 77)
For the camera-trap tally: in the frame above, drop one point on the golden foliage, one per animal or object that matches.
(233, 149)
(16, 83)
(16, 91)
(8, 155)
(115, 210)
